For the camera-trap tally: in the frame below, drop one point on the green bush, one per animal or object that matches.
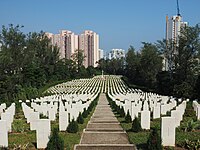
(122, 113)
(154, 140)
(191, 125)
(80, 119)
(136, 126)
(128, 118)
(72, 127)
(85, 113)
(55, 141)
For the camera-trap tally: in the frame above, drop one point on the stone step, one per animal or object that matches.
(104, 138)
(102, 120)
(104, 130)
(105, 147)
(104, 125)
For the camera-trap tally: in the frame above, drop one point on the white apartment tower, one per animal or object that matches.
(116, 54)
(67, 42)
(173, 32)
(89, 43)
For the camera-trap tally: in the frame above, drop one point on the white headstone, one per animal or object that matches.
(3, 134)
(43, 132)
(63, 120)
(34, 118)
(168, 131)
(7, 117)
(156, 112)
(198, 112)
(145, 119)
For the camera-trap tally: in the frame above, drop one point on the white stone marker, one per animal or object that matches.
(145, 119)
(7, 117)
(43, 132)
(34, 118)
(156, 112)
(168, 131)
(63, 120)
(3, 134)
(198, 112)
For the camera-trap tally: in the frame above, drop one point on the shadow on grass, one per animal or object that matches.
(35, 145)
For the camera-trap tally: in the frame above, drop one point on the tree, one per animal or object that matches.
(72, 127)
(80, 118)
(128, 118)
(55, 141)
(136, 126)
(132, 64)
(154, 140)
(187, 67)
(151, 64)
(78, 57)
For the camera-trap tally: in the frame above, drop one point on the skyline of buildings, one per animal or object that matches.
(68, 42)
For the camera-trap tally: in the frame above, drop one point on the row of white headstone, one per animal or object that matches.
(49, 108)
(136, 101)
(7, 116)
(78, 85)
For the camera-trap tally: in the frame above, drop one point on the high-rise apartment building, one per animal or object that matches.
(68, 43)
(173, 32)
(100, 54)
(173, 28)
(89, 43)
(116, 54)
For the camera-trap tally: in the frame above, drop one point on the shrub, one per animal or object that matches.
(136, 126)
(80, 119)
(194, 145)
(122, 113)
(154, 140)
(191, 125)
(72, 127)
(128, 118)
(55, 141)
(85, 113)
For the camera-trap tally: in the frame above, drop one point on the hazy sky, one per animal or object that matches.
(119, 23)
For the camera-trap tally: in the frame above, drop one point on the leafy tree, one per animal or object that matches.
(154, 140)
(72, 127)
(128, 118)
(151, 64)
(187, 61)
(85, 113)
(122, 113)
(55, 141)
(78, 57)
(80, 118)
(136, 126)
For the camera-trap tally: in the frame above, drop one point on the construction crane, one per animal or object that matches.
(178, 10)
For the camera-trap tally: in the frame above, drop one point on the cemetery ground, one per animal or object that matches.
(134, 101)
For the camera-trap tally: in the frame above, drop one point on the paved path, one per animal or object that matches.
(103, 131)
